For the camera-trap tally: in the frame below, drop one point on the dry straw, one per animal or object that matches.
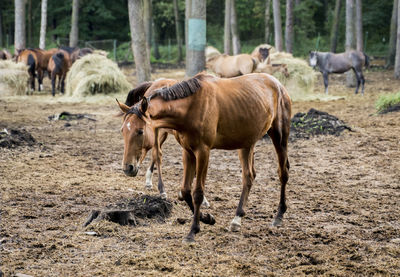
(13, 78)
(95, 74)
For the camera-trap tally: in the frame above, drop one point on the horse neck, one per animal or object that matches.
(169, 114)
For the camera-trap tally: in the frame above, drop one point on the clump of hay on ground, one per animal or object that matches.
(95, 74)
(13, 78)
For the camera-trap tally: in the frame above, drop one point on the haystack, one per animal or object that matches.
(13, 78)
(95, 74)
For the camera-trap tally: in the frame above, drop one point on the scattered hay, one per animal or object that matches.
(388, 103)
(315, 123)
(134, 212)
(95, 74)
(12, 138)
(13, 78)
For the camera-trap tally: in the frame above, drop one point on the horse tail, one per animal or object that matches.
(31, 65)
(366, 60)
(58, 59)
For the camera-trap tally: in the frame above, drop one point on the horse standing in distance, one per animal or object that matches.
(59, 65)
(29, 57)
(339, 63)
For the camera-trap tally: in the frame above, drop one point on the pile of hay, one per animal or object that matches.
(300, 83)
(95, 74)
(13, 78)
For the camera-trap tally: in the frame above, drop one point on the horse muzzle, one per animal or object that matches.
(130, 170)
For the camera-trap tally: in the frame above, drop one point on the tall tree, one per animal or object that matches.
(393, 33)
(43, 24)
(139, 47)
(30, 23)
(74, 34)
(359, 26)
(196, 37)
(350, 77)
(289, 26)
(277, 25)
(397, 59)
(19, 37)
(148, 19)
(227, 28)
(177, 30)
(335, 25)
(234, 30)
(1, 28)
(267, 19)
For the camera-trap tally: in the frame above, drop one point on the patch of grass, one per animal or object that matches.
(386, 101)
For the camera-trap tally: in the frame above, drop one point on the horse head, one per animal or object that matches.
(313, 59)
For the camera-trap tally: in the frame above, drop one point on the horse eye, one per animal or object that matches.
(140, 132)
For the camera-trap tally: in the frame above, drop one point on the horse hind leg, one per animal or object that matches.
(246, 160)
(280, 139)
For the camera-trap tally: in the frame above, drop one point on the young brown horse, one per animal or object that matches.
(145, 144)
(212, 113)
(29, 57)
(59, 65)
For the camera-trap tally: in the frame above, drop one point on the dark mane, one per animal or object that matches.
(180, 90)
(137, 93)
(135, 110)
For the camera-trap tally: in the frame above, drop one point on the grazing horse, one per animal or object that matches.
(142, 146)
(29, 57)
(79, 53)
(207, 113)
(262, 54)
(59, 65)
(267, 67)
(43, 57)
(232, 66)
(339, 63)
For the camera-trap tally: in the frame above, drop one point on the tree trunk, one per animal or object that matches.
(74, 34)
(30, 23)
(267, 19)
(289, 26)
(19, 37)
(196, 38)
(397, 59)
(227, 27)
(277, 25)
(350, 77)
(234, 30)
(43, 24)
(393, 33)
(142, 62)
(335, 26)
(148, 18)
(177, 30)
(359, 26)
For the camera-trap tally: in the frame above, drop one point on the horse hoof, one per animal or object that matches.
(235, 227)
(277, 222)
(149, 187)
(188, 240)
(163, 195)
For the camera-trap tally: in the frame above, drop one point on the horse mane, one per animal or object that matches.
(137, 93)
(135, 110)
(180, 90)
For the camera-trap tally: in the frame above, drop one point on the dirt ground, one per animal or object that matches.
(343, 197)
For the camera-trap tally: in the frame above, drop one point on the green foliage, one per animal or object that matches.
(387, 101)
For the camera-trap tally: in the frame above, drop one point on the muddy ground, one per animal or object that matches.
(343, 197)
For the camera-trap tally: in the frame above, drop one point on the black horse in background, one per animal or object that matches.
(339, 63)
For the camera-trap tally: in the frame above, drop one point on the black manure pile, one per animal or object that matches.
(315, 123)
(137, 211)
(12, 138)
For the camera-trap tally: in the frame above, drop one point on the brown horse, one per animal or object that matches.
(267, 67)
(43, 57)
(59, 65)
(232, 66)
(29, 57)
(143, 145)
(212, 113)
(79, 53)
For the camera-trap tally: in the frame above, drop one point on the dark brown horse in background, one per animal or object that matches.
(143, 141)
(43, 57)
(212, 113)
(29, 57)
(59, 65)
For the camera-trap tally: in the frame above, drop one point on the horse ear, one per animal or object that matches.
(144, 105)
(124, 108)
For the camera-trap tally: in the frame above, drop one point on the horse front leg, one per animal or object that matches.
(201, 157)
(326, 81)
(248, 174)
(157, 156)
(53, 83)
